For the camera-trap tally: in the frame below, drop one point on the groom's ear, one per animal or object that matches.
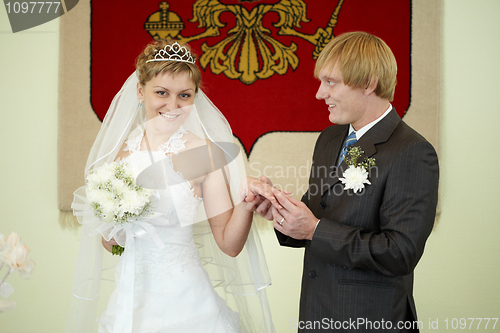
(371, 85)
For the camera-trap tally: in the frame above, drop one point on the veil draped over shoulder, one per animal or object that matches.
(241, 281)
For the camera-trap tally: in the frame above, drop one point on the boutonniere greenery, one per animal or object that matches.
(356, 175)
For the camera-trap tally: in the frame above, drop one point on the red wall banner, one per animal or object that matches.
(257, 57)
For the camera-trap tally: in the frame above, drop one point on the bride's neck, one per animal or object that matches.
(154, 138)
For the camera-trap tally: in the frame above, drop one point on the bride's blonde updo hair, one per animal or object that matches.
(148, 70)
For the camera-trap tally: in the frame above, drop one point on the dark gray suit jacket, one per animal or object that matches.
(359, 265)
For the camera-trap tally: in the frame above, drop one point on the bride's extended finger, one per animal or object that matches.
(266, 180)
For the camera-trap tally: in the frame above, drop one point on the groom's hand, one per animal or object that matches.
(295, 219)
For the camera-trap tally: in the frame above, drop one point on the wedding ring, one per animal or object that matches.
(281, 222)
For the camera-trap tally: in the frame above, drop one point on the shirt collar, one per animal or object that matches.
(364, 129)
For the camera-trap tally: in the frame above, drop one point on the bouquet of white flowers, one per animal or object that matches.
(115, 197)
(13, 255)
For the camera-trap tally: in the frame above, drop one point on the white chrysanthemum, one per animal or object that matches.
(94, 194)
(101, 197)
(116, 201)
(355, 178)
(93, 178)
(119, 186)
(108, 207)
(100, 175)
(110, 167)
(127, 168)
(131, 203)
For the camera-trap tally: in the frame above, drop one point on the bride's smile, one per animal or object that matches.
(169, 116)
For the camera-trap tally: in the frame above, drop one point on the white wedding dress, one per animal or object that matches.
(172, 291)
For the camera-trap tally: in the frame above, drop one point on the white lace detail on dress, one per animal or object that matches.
(134, 144)
(158, 264)
(173, 145)
(162, 264)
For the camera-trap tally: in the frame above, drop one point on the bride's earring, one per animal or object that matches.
(140, 103)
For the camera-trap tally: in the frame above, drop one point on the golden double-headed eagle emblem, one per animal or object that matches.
(249, 52)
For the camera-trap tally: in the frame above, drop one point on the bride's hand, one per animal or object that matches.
(258, 202)
(259, 205)
(108, 245)
(253, 186)
(111, 241)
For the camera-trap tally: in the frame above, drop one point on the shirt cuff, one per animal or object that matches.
(316, 226)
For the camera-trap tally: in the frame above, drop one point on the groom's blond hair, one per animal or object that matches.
(362, 58)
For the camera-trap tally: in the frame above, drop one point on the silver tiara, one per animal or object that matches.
(173, 52)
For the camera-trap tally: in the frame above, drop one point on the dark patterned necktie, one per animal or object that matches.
(351, 139)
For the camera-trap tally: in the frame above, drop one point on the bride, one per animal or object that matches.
(195, 264)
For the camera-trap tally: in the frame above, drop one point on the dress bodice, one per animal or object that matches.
(174, 200)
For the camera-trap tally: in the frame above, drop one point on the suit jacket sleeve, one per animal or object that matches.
(285, 240)
(392, 235)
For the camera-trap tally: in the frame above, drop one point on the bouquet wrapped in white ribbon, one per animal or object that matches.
(115, 196)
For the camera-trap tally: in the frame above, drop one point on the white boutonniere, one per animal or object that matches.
(356, 176)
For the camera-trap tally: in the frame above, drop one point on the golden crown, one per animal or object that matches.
(173, 52)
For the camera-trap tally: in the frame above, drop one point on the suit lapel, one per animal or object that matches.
(379, 133)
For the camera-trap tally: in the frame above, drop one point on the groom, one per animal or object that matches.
(363, 234)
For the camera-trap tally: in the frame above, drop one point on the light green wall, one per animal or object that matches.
(28, 176)
(458, 275)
